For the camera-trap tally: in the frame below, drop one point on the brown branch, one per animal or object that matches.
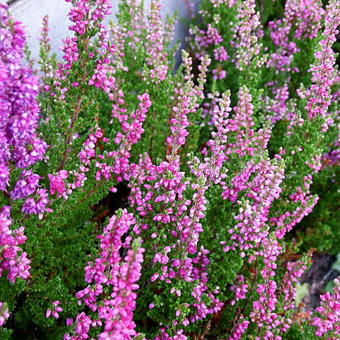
(70, 134)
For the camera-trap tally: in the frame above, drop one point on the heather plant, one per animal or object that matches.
(143, 202)
(292, 53)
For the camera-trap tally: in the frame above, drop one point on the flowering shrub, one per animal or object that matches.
(289, 60)
(137, 202)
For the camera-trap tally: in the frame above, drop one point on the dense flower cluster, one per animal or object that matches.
(169, 204)
(329, 321)
(323, 73)
(14, 261)
(247, 34)
(157, 58)
(115, 310)
(303, 20)
(19, 108)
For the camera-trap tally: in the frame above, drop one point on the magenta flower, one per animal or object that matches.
(56, 309)
(14, 261)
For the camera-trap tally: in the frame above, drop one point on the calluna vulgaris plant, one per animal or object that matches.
(140, 202)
